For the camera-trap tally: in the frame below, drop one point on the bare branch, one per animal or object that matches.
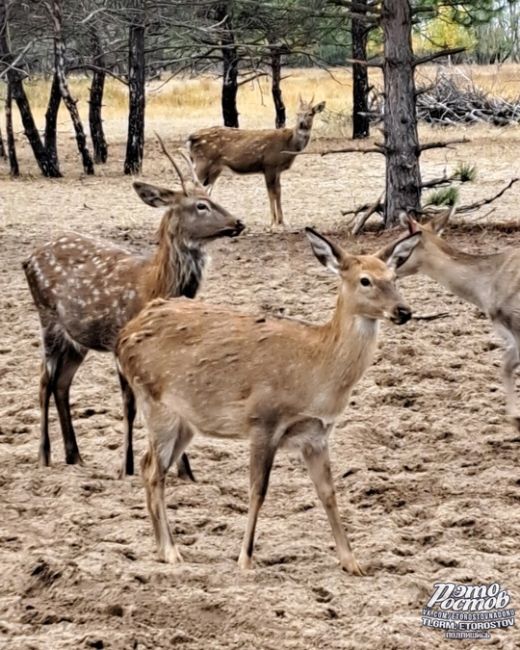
(360, 221)
(436, 55)
(470, 207)
(441, 145)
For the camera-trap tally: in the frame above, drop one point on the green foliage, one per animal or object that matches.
(443, 196)
(465, 172)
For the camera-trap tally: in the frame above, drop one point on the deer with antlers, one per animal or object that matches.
(197, 368)
(268, 152)
(85, 290)
(492, 282)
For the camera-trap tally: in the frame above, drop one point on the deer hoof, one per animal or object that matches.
(245, 563)
(170, 555)
(351, 566)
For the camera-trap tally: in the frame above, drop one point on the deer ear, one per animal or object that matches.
(395, 255)
(409, 222)
(328, 253)
(318, 108)
(155, 196)
(439, 223)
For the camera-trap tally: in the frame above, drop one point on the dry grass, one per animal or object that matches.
(181, 104)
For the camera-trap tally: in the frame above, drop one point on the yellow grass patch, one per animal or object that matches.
(181, 104)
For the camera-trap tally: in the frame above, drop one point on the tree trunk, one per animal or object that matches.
(2, 147)
(360, 121)
(403, 175)
(276, 76)
(136, 89)
(229, 67)
(51, 119)
(11, 145)
(96, 100)
(68, 100)
(17, 92)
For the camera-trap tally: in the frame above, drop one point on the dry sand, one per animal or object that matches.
(426, 464)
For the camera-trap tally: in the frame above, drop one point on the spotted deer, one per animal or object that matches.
(267, 152)
(492, 282)
(85, 290)
(197, 368)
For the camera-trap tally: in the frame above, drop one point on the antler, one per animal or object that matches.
(189, 161)
(175, 166)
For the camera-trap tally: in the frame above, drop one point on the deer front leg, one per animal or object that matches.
(261, 462)
(164, 449)
(129, 413)
(510, 362)
(318, 464)
(270, 181)
(278, 194)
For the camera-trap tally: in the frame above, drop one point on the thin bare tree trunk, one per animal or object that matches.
(51, 119)
(3, 153)
(96, 100)
(68, 100)
(360, 121)
(11, 144)
(137, 99)
(229, 66)
(276, 91)
(403, 174)
(17, 93)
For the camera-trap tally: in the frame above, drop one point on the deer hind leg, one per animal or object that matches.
(46, 389)
(316, 457)
(261, 462)
(71, 358)
(162, 452)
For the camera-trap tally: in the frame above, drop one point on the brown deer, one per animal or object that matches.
(266, 152)
(492, 282)
(197, 368)
(85, 290)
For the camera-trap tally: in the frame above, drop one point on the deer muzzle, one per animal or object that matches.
(401, 314)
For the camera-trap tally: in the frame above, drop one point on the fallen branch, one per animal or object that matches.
(355, 150)
(470, 207)
(442, 314)
(360, 221)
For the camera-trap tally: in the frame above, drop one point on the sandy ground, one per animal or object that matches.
(425, 463)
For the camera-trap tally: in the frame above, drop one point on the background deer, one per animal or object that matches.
(492, 282)
(253, 152)
(199, 368)
(85, 290)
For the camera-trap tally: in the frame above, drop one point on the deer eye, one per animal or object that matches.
(365, 282)
(202, 207)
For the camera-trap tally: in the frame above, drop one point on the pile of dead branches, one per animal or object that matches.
(453, 100)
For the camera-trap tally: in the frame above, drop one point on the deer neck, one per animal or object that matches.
(348, 343)
(467, 276)
(299, 139)
(175, 269)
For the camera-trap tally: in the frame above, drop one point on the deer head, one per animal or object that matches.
(367, 283)
(410, 254)
(306, 113)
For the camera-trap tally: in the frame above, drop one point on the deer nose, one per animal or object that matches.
(239, 226)
(402, 314)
